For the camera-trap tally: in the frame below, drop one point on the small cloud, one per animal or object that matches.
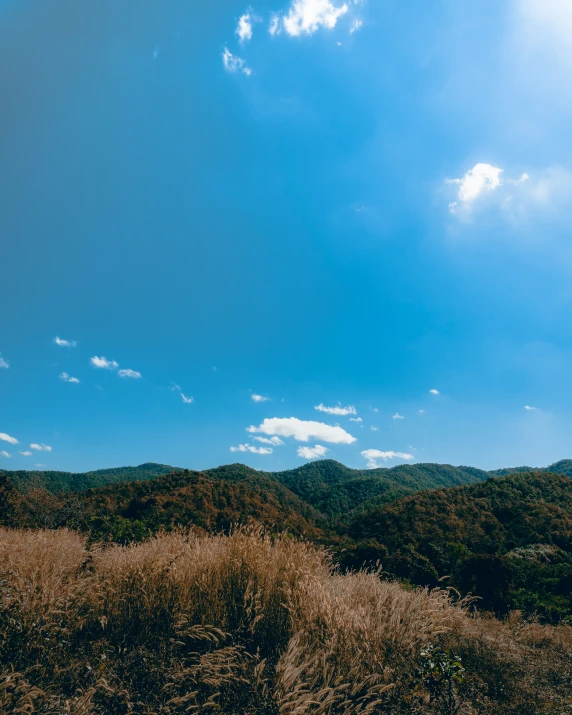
(39, 465)
(244, 27)
(156, 51)
(274, 27)
(434, 392)
(373, 455)
(103, 363)
(529, 407)
(259, 398)
(251, 448)
(186, 400)
(4, 363)
(175, 387)
(307, 16)
(482, 178)
(65, 343)
(339, 410)
(66, 378)
(4, 453)
(26, 454)
(274, 441)
(312, 452)
(355, 26)
(232, 63)
(7, 438)
(356, 419)
(303, 430)
(397, 416)
(41, 447)
(129, 373)
(421, 412)
(374, 429)
(374, 409)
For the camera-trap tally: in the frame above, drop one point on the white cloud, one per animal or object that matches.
(4, 363)
(275, 441)
(244, 27)
(186, 400)
(129, 373)
(303, 430)
(104, 363)
(397, 416)
(421, 412)
(434, 392)
(251, 448)
(373, 455)
(41, 447)
(339, 410)
(4, 453)
(530, 408)
(480, 179)
(373, 429)
(67, 378)
(312, 452)
(26, 453)
(307, 16)
(355, 26)
(274, 27)
(65, 343)
(356, 419)
(7, 438)
(375, 409)
(259, 398)
(232, 63)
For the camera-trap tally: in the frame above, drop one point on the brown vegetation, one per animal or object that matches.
(250, 623)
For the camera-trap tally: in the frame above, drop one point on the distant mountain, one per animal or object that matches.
(564, 466)
(59, 482)
(334, 489)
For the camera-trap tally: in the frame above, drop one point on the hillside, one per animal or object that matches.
(564, 466)
(335, 490)
(59, 482)
(130, 510)
(508, 539)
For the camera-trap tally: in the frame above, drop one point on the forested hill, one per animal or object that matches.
(564, 466)
(59, 482)
(509, 540)
(335, 490)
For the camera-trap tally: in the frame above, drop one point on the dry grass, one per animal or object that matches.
(249, 624)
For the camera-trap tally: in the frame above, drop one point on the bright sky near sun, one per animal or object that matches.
(277, 232)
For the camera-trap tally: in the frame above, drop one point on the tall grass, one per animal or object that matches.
(247, 623)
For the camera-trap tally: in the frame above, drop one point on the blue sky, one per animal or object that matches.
(312, 202)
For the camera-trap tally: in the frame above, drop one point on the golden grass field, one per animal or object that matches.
(250, 622)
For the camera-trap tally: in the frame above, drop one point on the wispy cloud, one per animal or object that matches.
(4, 453)
(481, 179)
(259, 398)
(251, 448)
(397, 416)
(129, 373)
(4, 363)
(104, 363)
(7, 438)
(434, 392)
(26, 453)
(232, 63)
(41, 447)
(244, 27)
(356, 419)
(274, 441)
(303, 430)
(39, 465)
(186, 400)
(307, 16)
(338, 410)
(530, 408)
(312, 452)
(274, 26)
(355, 26)
(373, 455)
(65, 343)
(67, 378)
(373, 429)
